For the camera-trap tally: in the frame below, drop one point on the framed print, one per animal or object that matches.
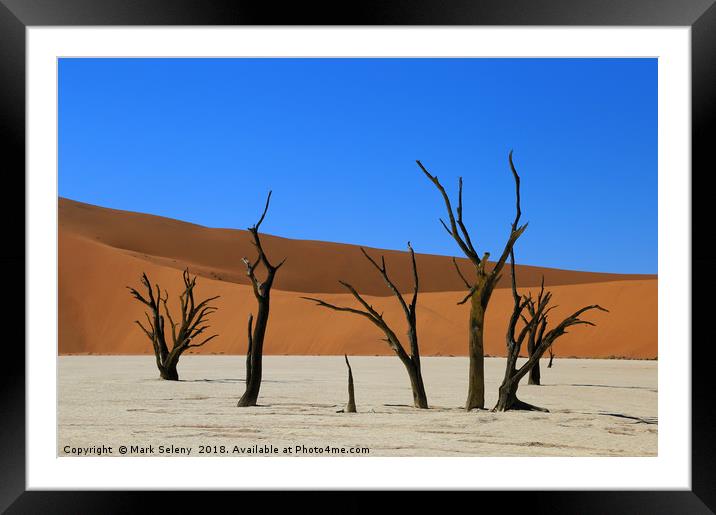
(418, 248)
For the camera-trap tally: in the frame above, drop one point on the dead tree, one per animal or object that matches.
(410, 360)
(534, 325)
(257, 332)
(534, 377)
(193, 323)
(480, 289)
(351, 406)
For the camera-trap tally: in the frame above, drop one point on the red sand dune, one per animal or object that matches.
(101, 251)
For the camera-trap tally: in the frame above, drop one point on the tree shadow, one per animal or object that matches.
(606, 386)
(639, 420)
(648, 420)
(237, 380)
(227, 380)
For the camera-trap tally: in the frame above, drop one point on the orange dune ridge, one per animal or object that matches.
(101, 251)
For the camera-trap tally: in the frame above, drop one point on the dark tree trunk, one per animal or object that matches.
(169, 372)
(551, 358)
(420, 399)
(507, 396)
(351, 406)
(249, 348)
(534, 375)
(253, 384)
(476, 375)
(262, 292)
(412, 364)
(508, 400)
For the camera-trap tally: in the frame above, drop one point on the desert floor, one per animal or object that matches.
(597, 408)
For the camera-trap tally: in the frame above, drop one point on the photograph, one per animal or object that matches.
(357, 257)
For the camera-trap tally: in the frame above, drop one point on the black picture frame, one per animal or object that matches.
(17, 15)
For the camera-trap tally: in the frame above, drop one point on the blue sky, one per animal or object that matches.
(203, 140)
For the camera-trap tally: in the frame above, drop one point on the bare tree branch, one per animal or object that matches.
(465, 233)
(457, 269)
(149, 333)
(263, 215)
(364, 303)
(539, 342)
(384, 273)
(203, 342)
(416, 281)
(412, 361)
(192, 322)
(515, 231)
(328, 305)
(453, 230)
(469, 295)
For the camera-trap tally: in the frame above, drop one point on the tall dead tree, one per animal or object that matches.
(192, 323)
(257, 332)
(351, 406)
(410, 360)
(480, 289)
(535, 325)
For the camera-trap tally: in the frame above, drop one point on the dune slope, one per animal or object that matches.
(312, 266)
(101, 251)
